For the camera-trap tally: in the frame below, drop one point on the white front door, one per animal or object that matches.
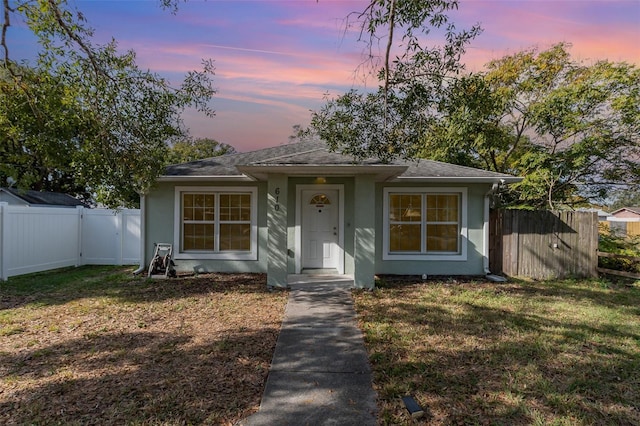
(320, 228)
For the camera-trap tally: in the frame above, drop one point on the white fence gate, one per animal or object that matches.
(34, 239)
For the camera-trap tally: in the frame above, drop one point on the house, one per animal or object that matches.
(31, 198)
(626, 214)
(625, 221)
(300, 208)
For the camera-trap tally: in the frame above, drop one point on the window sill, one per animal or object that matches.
(216, 256)
(426, 257)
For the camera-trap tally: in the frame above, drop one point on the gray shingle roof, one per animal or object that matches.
(631, 209)
(45, 198)
(225, 165)
(316, 153)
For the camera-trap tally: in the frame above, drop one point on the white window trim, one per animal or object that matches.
(461, 256)
(177, 224)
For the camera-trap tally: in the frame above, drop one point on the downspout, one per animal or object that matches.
(485, 233)
(142, 235)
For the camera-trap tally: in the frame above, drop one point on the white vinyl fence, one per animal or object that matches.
(34, 239)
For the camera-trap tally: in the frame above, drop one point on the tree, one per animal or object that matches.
(570, 130)
(126, 116)
(196, 149)
(625, 197)
(390, 122)
(37, 145)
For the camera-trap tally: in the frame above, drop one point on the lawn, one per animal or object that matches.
(96, 345)
(522, 353)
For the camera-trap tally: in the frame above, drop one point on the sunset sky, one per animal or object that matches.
(276, 59)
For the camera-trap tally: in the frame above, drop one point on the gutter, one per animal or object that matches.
(142, 235)
(485, 233)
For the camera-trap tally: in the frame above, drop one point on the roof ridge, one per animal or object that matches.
(293, 154)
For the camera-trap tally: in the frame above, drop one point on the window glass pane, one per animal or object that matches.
(209, 207)
(405, 207)
(235, 207)
(235, 237)
(198, 236)
(442, 238)
(404, 238)
(187, 206)
(245, 207)
(442, 208)
(320, 199)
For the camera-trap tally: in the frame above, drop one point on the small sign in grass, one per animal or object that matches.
(564, 352)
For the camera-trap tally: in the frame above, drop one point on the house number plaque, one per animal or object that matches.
(277, 205)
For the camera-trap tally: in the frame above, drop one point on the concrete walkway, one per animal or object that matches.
(320, 372)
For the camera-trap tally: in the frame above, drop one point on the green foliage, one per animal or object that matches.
(570, 130)
(196, 149)
(625, 197)
(390, 122)
(121, 117)
(41, 124)
(610, 242)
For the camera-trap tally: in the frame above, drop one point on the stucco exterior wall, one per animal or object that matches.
(11, 199)
(159, 228)
(473, 265)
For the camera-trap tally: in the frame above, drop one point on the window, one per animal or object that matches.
(320, 200)
(216, 223)
(425, 224)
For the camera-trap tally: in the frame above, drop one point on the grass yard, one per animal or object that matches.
(96, 345)
(525, 353)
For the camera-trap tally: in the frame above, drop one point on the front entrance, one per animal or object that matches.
(320, 211)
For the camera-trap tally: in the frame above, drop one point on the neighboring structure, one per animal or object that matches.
(625, 221)
(632, 213)
(30, 198)
(296, 208)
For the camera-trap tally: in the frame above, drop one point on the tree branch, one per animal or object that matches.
(76, 38)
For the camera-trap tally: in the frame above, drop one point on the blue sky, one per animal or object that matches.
(276, 59)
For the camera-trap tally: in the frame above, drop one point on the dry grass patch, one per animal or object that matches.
(98, 346)
(560, 353)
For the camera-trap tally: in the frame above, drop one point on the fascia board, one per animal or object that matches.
(458, 179)
(206, 178)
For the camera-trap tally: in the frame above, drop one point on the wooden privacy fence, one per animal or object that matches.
(543, 244)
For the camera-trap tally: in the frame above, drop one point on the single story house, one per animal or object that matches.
(31, 198)
(299, 208)
(625, 221)
(626, 214)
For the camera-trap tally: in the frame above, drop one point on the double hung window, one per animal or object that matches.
(423, 223)
(220, 222)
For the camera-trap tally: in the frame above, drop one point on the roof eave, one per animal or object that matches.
(459, 179)
(205, 178)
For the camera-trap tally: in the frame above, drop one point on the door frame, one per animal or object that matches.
(298, 228)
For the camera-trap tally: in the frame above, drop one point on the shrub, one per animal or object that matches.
(610, 242)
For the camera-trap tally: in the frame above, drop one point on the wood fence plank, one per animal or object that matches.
(545, 244)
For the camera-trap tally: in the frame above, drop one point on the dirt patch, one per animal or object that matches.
(182, 351)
